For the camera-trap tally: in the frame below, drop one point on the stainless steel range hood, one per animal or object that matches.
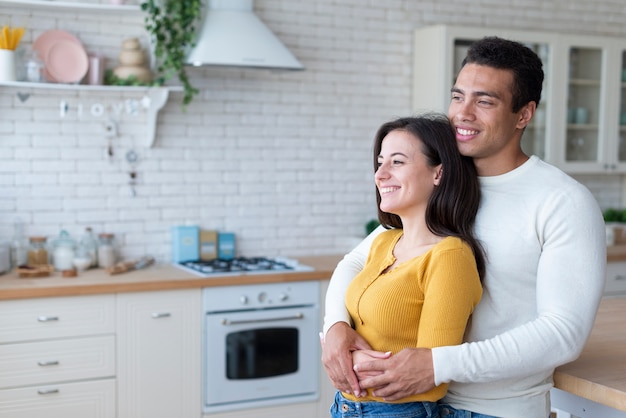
(232, 35)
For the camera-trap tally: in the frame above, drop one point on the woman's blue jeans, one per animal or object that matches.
(345, 408)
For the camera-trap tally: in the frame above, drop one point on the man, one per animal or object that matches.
(543, 235)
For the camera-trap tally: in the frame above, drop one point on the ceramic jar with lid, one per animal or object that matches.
(132, 61)
(106, 250)
(63, 253)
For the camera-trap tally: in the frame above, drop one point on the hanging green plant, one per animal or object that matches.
(172, 25)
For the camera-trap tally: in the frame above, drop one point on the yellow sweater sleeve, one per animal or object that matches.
(424, 302)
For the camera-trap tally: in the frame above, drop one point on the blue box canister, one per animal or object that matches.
(185, 243)
(226, 245)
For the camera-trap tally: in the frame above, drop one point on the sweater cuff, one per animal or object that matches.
(443, 367)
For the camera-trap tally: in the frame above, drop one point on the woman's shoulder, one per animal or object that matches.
(451, 243)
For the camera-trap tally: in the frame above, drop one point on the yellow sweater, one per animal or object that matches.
(424, 302)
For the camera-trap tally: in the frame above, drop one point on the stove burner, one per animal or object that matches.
(240, 265)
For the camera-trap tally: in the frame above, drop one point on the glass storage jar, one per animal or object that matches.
(63, 254)
(106, 250)
(37, 252)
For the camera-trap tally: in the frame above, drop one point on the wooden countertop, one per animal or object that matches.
(599, 374)
(156, 277)
(616, 252)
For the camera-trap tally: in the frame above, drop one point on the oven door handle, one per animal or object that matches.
(226, 321)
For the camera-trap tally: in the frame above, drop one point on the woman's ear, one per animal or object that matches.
(438, 174)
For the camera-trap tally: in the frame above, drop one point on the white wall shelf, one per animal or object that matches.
(156, 97)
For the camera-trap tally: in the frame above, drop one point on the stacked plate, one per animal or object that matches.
(64, 56)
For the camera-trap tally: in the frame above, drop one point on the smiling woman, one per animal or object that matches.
(428, 261)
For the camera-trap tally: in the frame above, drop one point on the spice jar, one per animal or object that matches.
(37, 252)
(106, 250)
(63, 254)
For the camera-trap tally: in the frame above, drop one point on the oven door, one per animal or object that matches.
(261, 357)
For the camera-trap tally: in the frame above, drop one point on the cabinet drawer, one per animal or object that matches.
(40, 319)
(615, 278)
(45, 362)
(94, 399)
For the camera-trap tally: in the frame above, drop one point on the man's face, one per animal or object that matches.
(486, 128)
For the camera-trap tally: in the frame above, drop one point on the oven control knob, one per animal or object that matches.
(243, 299)
(262, 297)
(283, 297)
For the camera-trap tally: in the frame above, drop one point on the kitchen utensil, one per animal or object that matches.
(125, 266)
(131, 158)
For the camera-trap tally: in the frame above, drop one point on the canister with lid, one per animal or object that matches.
(37, 251)
(63, 254)
(106, 250)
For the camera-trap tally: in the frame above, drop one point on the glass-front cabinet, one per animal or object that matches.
(580, 124)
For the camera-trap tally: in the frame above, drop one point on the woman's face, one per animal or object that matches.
(404, 179)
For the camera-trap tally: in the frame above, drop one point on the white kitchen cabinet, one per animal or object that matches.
(92, 399)
(615, 278)
(159, 354)
(577, 125)
(57, 357)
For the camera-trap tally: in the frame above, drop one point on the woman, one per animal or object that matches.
(421, 281)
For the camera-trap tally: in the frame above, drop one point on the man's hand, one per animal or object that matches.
(363, 356)
(407, 373)
(337, 349)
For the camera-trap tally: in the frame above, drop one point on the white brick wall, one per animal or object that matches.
(280, 158)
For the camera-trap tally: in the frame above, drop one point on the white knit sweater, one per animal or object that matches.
(546, 257)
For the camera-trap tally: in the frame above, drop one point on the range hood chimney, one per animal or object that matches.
(232, 35)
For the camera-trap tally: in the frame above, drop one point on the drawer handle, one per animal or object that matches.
(620, 277)
(48, 363)
(47, 391)
(47, 318)
(161, 315)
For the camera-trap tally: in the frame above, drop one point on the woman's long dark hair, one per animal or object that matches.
(452, 207)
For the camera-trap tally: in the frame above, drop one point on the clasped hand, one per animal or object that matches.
(353, 367)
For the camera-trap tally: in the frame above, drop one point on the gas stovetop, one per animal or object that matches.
(242, 266)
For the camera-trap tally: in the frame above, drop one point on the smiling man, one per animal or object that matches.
(543, 235)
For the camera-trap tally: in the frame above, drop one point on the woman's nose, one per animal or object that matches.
(381, 172)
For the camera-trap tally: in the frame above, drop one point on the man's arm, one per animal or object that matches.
(339, 338)
(570, 282)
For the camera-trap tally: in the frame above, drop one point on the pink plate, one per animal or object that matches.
(67, 62)
(46, 40)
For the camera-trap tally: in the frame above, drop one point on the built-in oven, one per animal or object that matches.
(261, 345)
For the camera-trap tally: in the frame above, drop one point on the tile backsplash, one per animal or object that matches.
(280, 158)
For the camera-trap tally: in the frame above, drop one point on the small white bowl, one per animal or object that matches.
(82, 263)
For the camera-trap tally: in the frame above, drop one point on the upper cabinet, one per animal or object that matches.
(580, 123)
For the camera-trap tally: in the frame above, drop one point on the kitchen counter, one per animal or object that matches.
(599, 374)
(156, 277)
(616, 252)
